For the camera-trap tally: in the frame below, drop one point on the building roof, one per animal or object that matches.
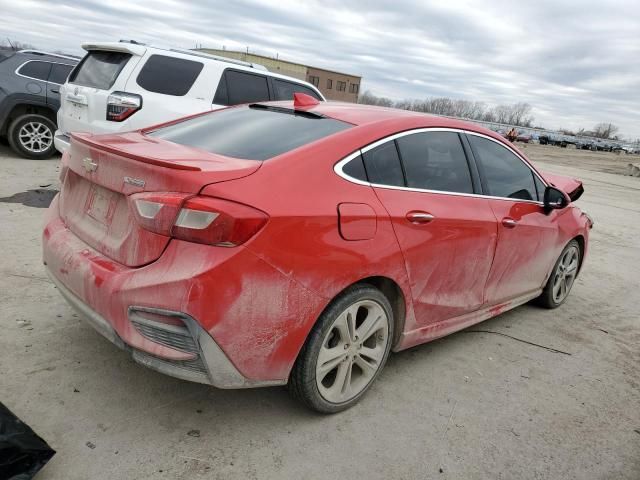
(238, 52)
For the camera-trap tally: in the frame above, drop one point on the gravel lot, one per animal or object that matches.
(470, 406)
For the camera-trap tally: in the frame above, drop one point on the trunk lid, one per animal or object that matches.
(104, 170)
(571, 186)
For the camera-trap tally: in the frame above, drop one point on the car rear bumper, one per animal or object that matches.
(240, 321)
(61, 141)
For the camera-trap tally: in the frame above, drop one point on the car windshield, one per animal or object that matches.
(255, 132)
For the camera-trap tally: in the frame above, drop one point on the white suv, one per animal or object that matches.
(126, 86)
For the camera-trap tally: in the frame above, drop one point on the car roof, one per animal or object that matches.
(48, 56)
(396, 119)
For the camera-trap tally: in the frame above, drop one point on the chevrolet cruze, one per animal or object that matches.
(300, 242)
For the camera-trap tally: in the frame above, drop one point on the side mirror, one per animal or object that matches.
(555, 199)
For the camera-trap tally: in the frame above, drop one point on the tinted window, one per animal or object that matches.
(240, 87)
(435, 161)
(99, 69)
(39, 70)
(355, 169)
(169, 75)
(383, 165)
(506, 175)
(285, 90)
(59, 73)
(254, 133)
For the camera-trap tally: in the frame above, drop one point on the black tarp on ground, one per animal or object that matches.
(22, 452)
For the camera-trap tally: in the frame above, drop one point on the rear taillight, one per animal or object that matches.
(121, 105)
(208, 220)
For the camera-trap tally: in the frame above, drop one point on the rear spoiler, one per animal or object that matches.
(131, 48)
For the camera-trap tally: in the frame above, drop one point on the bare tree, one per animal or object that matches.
(14, 45)
(605, 130)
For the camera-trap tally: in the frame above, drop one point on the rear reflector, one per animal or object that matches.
(199, 219)
(121, 105)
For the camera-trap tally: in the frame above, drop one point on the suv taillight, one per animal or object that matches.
(199, 219)
(121, 105)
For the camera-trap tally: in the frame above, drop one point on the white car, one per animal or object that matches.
(121, 86)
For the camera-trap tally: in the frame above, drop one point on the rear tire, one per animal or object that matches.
(31, 136)
(562, 277)
(345, 351)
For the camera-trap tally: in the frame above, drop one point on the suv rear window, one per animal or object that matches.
(255, 132)
(237, 87)
(169, 75)
(99, 69)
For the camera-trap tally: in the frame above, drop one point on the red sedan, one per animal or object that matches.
(299, 243)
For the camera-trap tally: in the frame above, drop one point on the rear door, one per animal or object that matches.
(84, 96)
(447, 235)
(526, 234)
(171, 86)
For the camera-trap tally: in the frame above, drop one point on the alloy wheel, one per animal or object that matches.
(352, 351)
(565, 274)
(35, 137)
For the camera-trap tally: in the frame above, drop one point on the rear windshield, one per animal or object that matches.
(99, 69)
(253, 133)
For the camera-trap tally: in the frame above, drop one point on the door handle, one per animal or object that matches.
(55, 90)
(509, 222)
(419, 217)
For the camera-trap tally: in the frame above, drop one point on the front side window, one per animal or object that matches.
(284, 90)
(435, 161)
(506, 175)
(36, 69)
(99, 69)
(254, 132)
(169, 75)
(383, 165)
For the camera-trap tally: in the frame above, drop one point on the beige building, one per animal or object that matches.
(333, 85)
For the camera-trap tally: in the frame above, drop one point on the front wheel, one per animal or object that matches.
(31, 136)
(562, 278)
(345, 351)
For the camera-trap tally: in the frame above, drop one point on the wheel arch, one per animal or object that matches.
(581, 243)
(25, 108)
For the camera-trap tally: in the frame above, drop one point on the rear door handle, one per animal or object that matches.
(418, 217)
(509, 222)
(55, 90)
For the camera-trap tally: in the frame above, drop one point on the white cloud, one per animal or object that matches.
(576, 63)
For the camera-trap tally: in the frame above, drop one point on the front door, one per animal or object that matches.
(525, 231)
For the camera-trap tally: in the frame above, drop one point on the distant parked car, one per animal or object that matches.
(124, 86)
(29, 99)
(523, 137)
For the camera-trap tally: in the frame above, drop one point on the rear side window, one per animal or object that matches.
(169, 75)
(239, 87)
(355, 169)
(435, 161)
(99, 69)
(506, 175)
(383, 165)
(35, 69)
(59, 73)
(252, 133)
(284, 90)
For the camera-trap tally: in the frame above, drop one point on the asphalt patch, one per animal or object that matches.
(38, 198)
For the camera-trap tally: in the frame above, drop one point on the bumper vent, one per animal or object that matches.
(169, 335)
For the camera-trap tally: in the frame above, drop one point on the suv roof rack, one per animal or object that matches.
(257, 66)
(41, 52)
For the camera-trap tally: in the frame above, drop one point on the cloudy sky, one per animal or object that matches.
(576, 62)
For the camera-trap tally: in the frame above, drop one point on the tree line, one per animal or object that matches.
(518, 114)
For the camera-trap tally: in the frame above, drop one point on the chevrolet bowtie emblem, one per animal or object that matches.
(89, 165)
